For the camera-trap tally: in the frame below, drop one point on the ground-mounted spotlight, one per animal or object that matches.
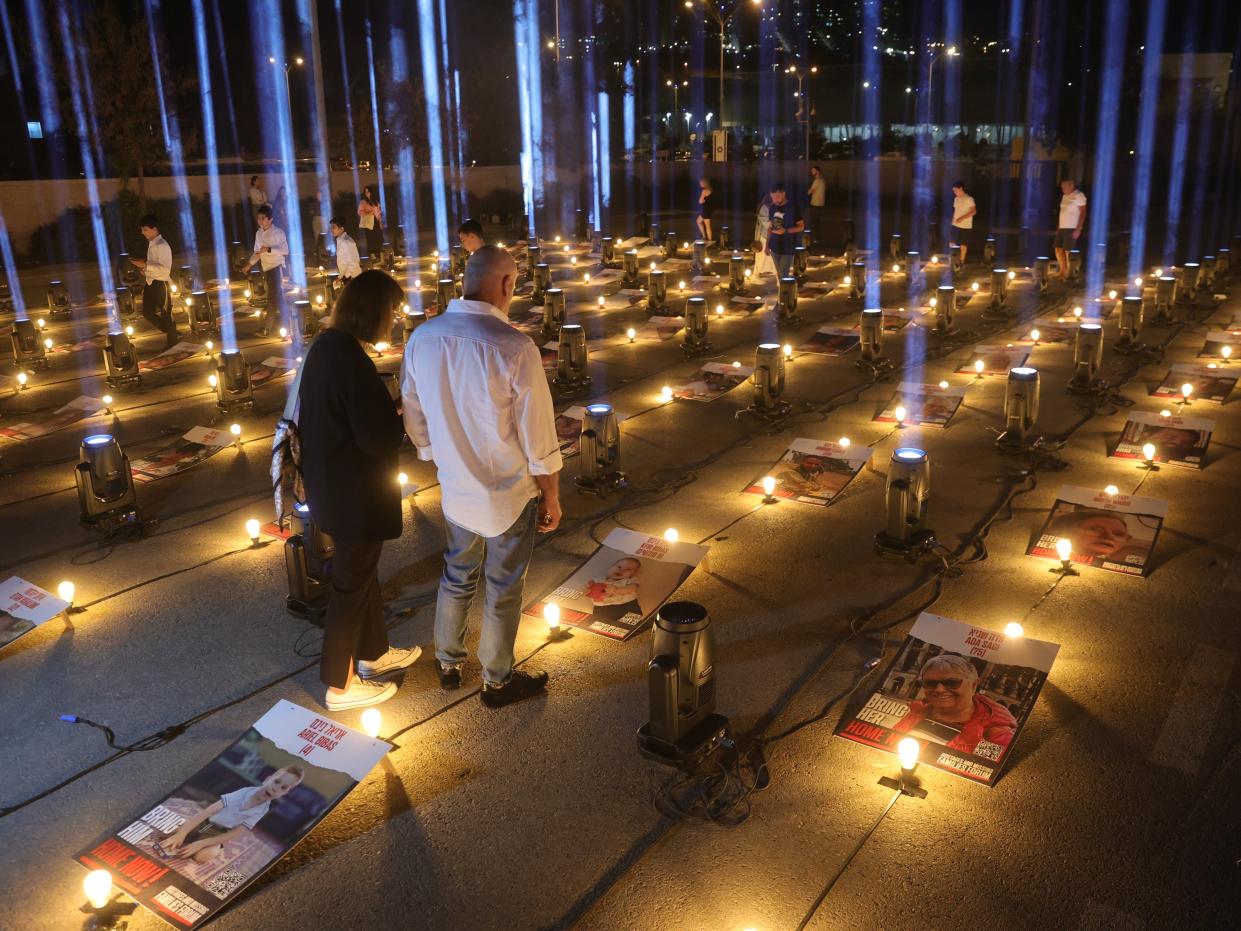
(1040, 270)
(232, 385)
(998, 306)
(304, 316)
(655, 235)
(28, 350)
(945, 309)
(850, 237)
(581, 225)
(256, 289)
(127, 273)
(696, 341)
(736, 273)
(553, 312)
(894, 247)
(1165, 297)
(1223, 262)
(238, 256)
(1207, 275)
(906, 494)
(607, 251)
(445, 292)
(126, 307)
(684, 729)
(857, 280)
(411, 319)
(541, 280)
(656, 292)
(185, 278)
(768, 380)
(670, 245)
(1020, 408)
(871, 330)
(799, 263)
(913, 268)
(571, 358)
(723, 238)
(534, 255)
(786, 300)
(456, 261)
(1075, 265)
(106, 497)
(600, 451)
(954, 258)
(322, 297)
(58, 300)
(698, 260)
(629, 262)
(1087, 357)
(1131, 313)
(1191, 277)
(120, 362)
(988, 250)
(850, 254)
(200, 312)
(307, 552)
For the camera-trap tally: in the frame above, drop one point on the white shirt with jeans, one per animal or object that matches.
(477, 402)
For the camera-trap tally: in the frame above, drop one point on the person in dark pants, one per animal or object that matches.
(157, 267)
(350, 434)
(271, 247)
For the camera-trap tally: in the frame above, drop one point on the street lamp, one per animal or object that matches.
(949, 52)
(803, 101)
(716, 11)
(676, 92)
(288, 65)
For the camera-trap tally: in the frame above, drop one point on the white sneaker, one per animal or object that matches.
(360, 694)
(392, 661)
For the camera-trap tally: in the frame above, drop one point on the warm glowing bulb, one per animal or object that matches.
(381, 346)
(173, 288)
(719, 310)
(631, 333)
(107, 400)
(1034, 335)
(671, 535)
(1064, 549)
(748, 272)
(246, 293)
(98, 887)
(212, 380)
(22, 378)
(47, 343)
(1077, 311)
(1159, 273)
(551, 614)
(1148, 451)
(1165, 413)
(252, 529)
(900, 413)
(653, 266)
(65, 591)
(235, 430)
(681, 285)
(41, 323)
(1111, 491)
(1226, 352)
(371, 719)
(932, 302)
(284, 333)
(1138, 281)
(907, 750)
(665, 394)
(417, 283)
(210, 345)
(848, 279)
(896, 268)
(843, 442)
(788, 351)
(1012, 276)
(600, 300)
(769, 485)
(944, 383)
(1187, 389)
(557, 239)
(402, 479)
(974, 286)
(685, 245)
(129, 331)
(736, 365)
(979, 365)
(1013, 629)
(1111, 295)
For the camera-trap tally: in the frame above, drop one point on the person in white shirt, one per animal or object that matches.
(157, 267)
(963, 210)
(476, 401)
(348, 263)
(1072, 217)
(817, 195)
(270, 248)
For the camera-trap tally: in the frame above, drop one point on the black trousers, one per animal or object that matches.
(818, 232)
(354, 627)
(157, 310)
(274, 316)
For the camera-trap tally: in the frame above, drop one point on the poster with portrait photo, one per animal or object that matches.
(1209, 384)
(813, 471)
(713, 380)
(178, 353)
(569, 429)
(1112, 532)
(743, 305)
(270, 369)
(661, 328)
(1216, 341)
(963, 692)
(193, 447)
(23, 607)
(831, 341)
(891, 321)
(996, 360)
(79, 408)
(192, 852)
(617, 591)
(925, 405)
(1178, 441)
(1054, 330)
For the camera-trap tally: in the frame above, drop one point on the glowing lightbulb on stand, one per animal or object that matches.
(769, 487)
(371, 721)
(1186, 390)
(22, 379)
(1034, 335)
(900, 413)
(1013, 630)
(979, 366)
(1226, 353)
(65, 592)
(907, 751)
(235, 430)
(843, 442)
(671, 535)
(551, 614)
(252, 531)
(98, 888)
(632, 334)
(665, 394)
(1111, 491)
(1148, 453)
(1064, 550)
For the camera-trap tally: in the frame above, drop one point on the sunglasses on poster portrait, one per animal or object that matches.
(929, 684)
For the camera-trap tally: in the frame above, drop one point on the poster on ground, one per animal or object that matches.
(831, 341)
(1053, 330)
(1112, 532)
(178, 353)
(996, 360)
(192, 852)
(713, 380)
(892, 321)
(569, 429)
(925, 405)
(1217, 339)
(661, 327)
(813, 471)
(1208, 384)
(270, 369)
(43, 424)
(1178, 441)
(963, 692)
(193, 447)
(23, 607)
(617, 590)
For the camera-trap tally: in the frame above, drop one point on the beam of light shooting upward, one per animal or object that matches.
(871, 91)
(459, 135)
(432, 70)
(530, 101)
(1223, 207)
(172, 134)
(627, 108)
(999, 201)
(1202, 161)
(344, 77)
(1116, 35)
(379, 158)
(1180, 143)
(73, 45)
(1156, 14)
(308, 23)
(219, 245)
(239, 213)
(10, 268)
(605, 160)
(950, 81)
(15, 70)
(1043, 73)
(459, 191)
(406, 178)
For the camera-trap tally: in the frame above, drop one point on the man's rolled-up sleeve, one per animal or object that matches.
(536, 419)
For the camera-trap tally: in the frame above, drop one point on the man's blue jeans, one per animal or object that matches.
(503, 560)
(784, 264)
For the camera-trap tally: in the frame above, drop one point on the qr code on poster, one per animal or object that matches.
(988, 750)
(225, 883)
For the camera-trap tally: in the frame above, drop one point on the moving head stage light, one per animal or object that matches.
(607, 251)
(1165, 297)
(913, 268)
(120, 362)
(799, 264)
(1075, 265)
(656, 292)
(553, 313)
(894, 247)
(1223, 262)
(699, 260)
(387, 258)
(988, 250)
(786, 300)
(542, 279)
(256, 289)
(600, 451)
(127, 272)
(722, 238)
(629, 279)
(871, 330)
(1131, 313)
(1087, 357)
(238, 255)
(1207, 277)
(1189, 282)
(736, 273)
(696, 342)
(670, 245)
(905, 498)
(200, 312)
(307, 552)
(1040, 271)
(445, 291)
(28, 351)
(304, 316)
(954, 258)
(571, 358)
(850, 249)
(185, 279)
(534, 255)
(945, 309)
(57, 300)
(125, 304)
(232, 386)
(398, 241)
(106, 496)
(1020, 408)
(768, 380)
(581, 225)
(684, 728)
(412, 319)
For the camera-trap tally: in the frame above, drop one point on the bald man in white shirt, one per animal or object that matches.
(476, 401)
(157, 270)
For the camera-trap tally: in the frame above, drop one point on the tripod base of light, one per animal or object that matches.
(602, 486)
(308, 595)
(111, 916)
(777, 410)
(700, 348)
(1095, 386)
(906, 785)
(690, 751)
(572, 384)
(910, 549)
(793, 319)
(1011, 441)
(874, 366)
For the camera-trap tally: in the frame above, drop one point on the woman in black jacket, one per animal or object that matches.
(350, 434)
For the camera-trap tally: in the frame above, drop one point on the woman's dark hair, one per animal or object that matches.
(367, 194)
(253, 178)
(961, 185)
(365, 302)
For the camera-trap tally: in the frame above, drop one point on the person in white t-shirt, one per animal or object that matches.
(203, 836)
(1069, 229)
(348, 263)
(963, 210)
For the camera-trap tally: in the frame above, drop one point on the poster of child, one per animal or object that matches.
(925, 405)
(1179, 441)
(1112, 532)
(813, 471)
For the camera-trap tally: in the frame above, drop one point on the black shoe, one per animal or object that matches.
(450, 676)
(519, 686)
(171, 340)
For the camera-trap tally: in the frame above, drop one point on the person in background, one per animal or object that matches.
(157, 269)
(470, 235)
(348, 263)
(477, 403)
(706, 208)
(763, 265)
(258, 197)
(963, 211)
(351, 435)
(1069, 227)
(786, 224)
(370, 227)
(817, 196)
(270, 248)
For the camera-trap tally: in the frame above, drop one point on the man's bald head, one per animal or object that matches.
(491, 276)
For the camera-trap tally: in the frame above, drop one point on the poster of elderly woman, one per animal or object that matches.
(1104, 531)
(963, 692)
